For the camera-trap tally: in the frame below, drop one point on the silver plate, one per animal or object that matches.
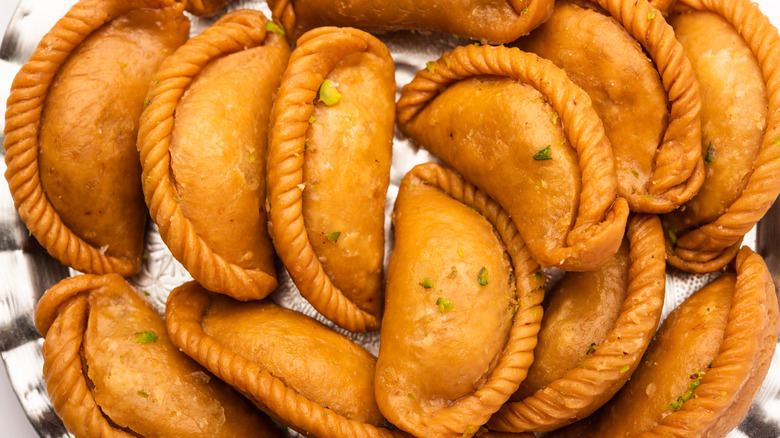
(27, 270)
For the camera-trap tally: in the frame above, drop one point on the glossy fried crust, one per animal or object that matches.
(284, 388)
(711, 246)
(205, 8)
(722, 337)
(328, 173)
(656, 148)
(494, 21)
(203, 153)
(104, 381)
(433, 382)
(70, 146)
(572, 240)
(583, 388)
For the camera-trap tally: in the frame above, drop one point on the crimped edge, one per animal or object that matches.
(22, 126)
(184, 310)
(284, 11)
(61, 317)
(736, 358)
(602, 216)
(606, 370)
(464, 416)
(678, 167)
(711, 246)
(317, 54)
(232, 33)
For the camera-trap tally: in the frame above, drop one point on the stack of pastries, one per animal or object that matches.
(603, 139)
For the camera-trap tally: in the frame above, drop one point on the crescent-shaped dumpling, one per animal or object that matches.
(304, 374)
(656, 148)
(71, 126)
(495, 21)
(111, 370)
(735, 53)
(515, 126)
(596, 328)
(329, 170)
(462, 308)
(704, 366)
(203, 144)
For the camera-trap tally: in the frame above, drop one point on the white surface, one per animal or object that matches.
(13, 422)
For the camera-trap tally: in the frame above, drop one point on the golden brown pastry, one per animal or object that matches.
(301, 372)
(462, 308)
(329, 169)
(656, 148)
(735, 52)
(495, 21)
(595, 330)
(493, 114)
(203, 144)
(111, 370)
(71, 125)
(205, 8)
(705, 364)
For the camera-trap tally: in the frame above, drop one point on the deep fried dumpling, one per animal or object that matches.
(298, 370)
(205, 8)
(203, 144)
(595, 329)
(495, 21)
(461, 310)
(484, 111)
(656, 148)
(732, 48)
(329, 169)
(705, 364)
(71, 126)
(111, 369)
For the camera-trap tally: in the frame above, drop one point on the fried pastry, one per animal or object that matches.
(329, 169)
(301, 372)
(736, 63)
(462, 308)
(595, 330)
(705, 364)
(485, 112)
(495, 21)
(71, 125)
(656, 148)
(111, 370)
(203, 144)
(205, 8)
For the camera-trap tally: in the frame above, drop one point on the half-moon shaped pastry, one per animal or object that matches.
(736, 63)
(462, 308)
(205, 8)
(203, 143)
(111, 370)
(595, 330)
(704, 366)
(496, 21)
(302, 373)
(329, 169)
(71, 125)
(656, 148)
(493, 114)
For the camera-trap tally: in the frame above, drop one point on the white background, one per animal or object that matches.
(13, 422)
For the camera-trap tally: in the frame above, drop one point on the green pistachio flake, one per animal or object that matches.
(409, 394)
(453, 274)
(447, 62)
(672, 234)
(312, 118)
(275, 27)
(145, 337)
(555, 118)
(444, 304)
(777, 141)
(709, 157)
(525, 11)
(482, 277)
(147, 102)
(143, 394)
(538, 276)
(696, 381)
(651, 15)
(146, 293)
(431, 67)
(329, 93)
(333, 236)
(625, 369)
(543, 154)
(427, 283)
(634, 172)
(121, 64)
(591, 348)
(251, 158)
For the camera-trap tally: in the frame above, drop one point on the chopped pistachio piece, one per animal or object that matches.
(145, 337)
(543, 154)
(275, 27)
(482, 277)
(444, 304)
(333, 236)
(427, 283)
(329, 94)
(709, 157)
